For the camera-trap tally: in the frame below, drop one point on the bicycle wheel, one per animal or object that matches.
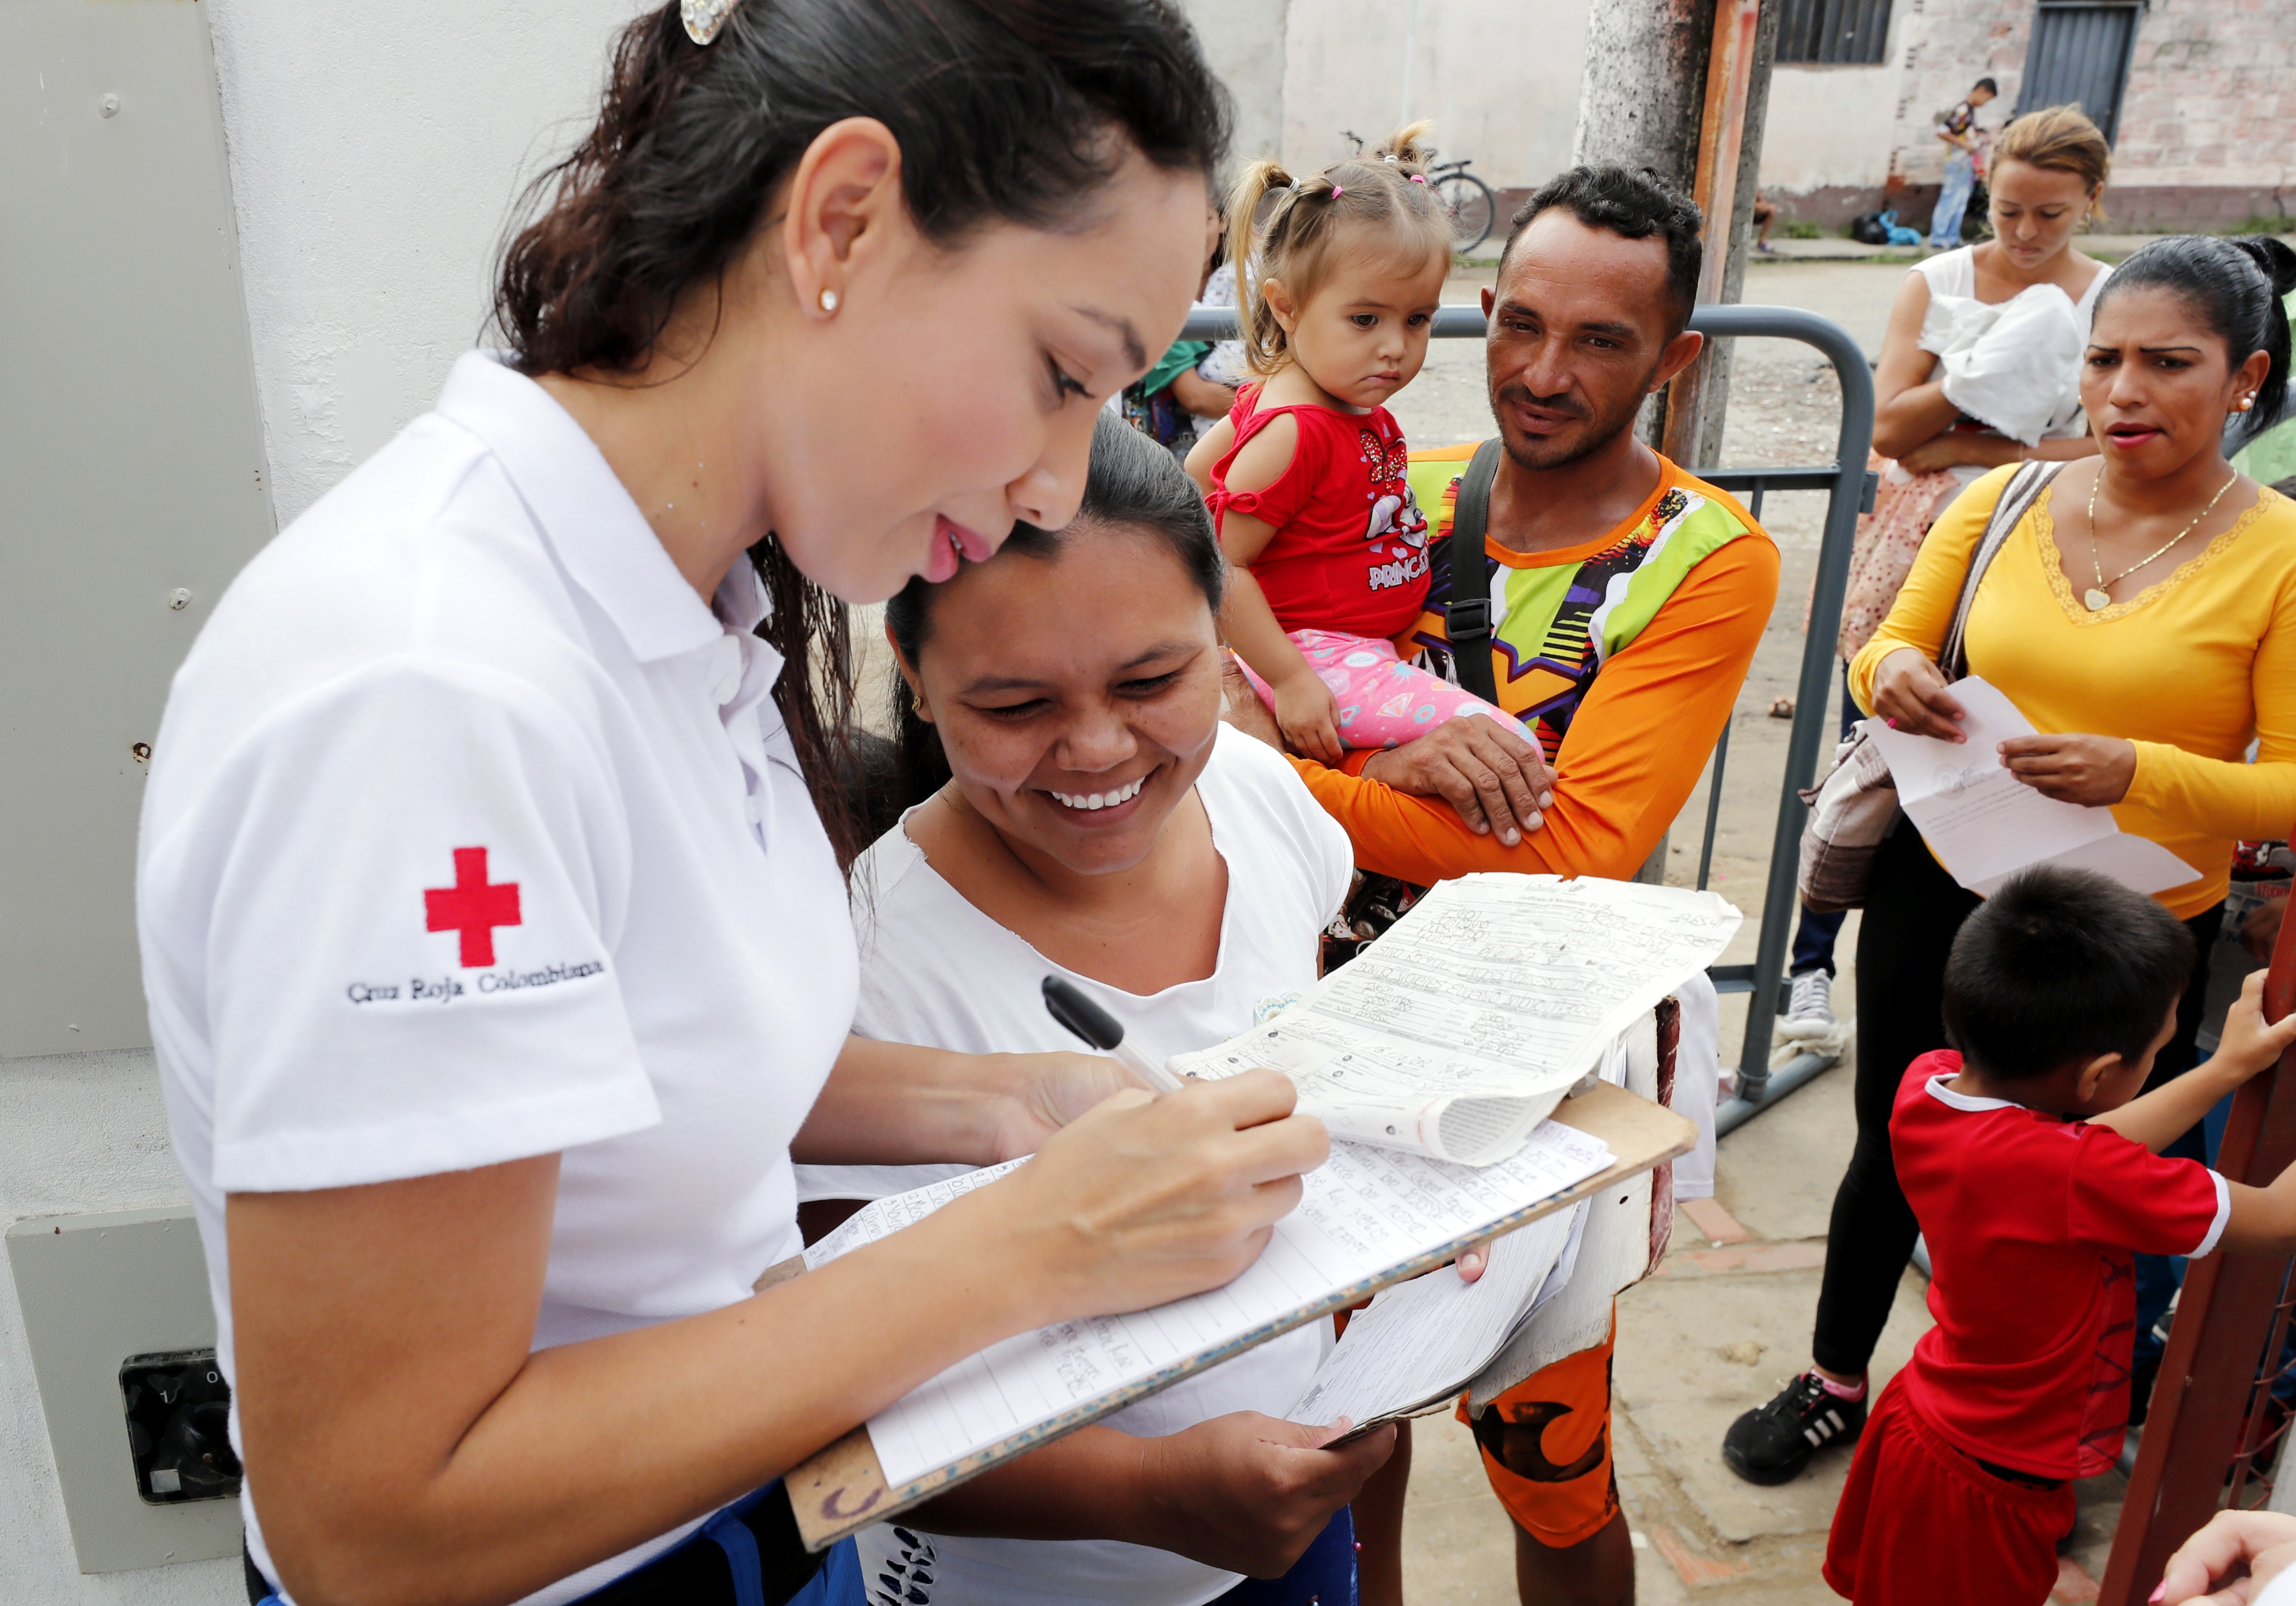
(1472, 209)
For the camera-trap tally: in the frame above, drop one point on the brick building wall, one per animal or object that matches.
(2208, 123)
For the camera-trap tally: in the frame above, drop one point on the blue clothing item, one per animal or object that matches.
(1814, 940)
(1952, 200)
(1324, 1575)
(1815, 934)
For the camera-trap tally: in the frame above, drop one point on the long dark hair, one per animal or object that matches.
(1133, 486)
(1004, 110)
(2236, 286)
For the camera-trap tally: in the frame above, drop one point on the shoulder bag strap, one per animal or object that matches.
(2024, 487)
(1467, 619)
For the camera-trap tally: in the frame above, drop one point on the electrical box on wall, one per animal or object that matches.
(122, 1338)
(131, 474)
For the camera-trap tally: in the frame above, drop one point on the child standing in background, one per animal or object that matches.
(2035, 1173)
(1305, 476)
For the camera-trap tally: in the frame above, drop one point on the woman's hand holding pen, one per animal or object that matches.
(1141, 1199)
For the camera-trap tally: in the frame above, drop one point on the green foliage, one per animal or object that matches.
(1802, 228)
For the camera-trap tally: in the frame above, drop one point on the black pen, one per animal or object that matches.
(1103, 1031)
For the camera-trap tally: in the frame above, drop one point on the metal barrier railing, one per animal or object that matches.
(1851, 493)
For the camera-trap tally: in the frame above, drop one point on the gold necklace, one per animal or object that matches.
(2098, 597)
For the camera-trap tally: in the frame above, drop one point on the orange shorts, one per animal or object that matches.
(1547, 1447)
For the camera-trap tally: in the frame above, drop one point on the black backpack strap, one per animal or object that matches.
(1467, 619)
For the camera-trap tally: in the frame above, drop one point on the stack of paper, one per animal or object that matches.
(1364, 1212)
(1985, 825)
(1462, 1028)
(1419, 1343)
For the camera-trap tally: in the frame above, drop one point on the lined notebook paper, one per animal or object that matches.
(1364, 1212)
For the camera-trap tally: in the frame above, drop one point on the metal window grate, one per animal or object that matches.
(2079, 57)
(1834, 32)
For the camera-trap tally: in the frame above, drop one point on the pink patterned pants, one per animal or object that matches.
(1384, 702)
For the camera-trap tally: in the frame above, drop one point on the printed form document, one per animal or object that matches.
(1462, 1028)
(1985, 825)
(1364, 1214)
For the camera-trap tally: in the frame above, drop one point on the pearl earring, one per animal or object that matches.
(2246, 402)
(829, 301)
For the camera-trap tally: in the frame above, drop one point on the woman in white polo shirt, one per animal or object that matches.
(497, 951)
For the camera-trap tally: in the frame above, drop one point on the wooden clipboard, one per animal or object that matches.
(842, 1489)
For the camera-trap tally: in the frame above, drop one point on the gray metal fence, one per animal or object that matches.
(1849, 491)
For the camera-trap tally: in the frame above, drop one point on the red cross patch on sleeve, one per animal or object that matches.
(472, 907)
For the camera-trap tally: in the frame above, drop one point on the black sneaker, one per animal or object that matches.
(1773, 1443)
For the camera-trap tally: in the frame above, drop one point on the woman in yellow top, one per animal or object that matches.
(2142, 614)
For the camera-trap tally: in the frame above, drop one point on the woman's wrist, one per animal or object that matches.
(970, 1262)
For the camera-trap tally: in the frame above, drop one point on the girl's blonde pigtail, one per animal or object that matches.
(1250, 237)
(1407, 147)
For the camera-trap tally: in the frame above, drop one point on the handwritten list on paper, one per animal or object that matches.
(1471, 1017)
(1363, 1213)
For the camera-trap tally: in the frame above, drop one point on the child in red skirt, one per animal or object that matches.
(2033, 1167)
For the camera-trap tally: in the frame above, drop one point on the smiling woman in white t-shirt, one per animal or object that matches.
(497, 955)
(1090, 817)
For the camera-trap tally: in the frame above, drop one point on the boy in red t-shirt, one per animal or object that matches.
(2034, 1171)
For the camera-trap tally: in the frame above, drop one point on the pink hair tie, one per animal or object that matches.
(1419, 178)
(1338, 191)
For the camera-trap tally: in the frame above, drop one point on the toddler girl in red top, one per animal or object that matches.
(1305, 476)
(2034, 1173)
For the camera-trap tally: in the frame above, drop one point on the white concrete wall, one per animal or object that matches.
(1245, 41)
(1500, 77)
(375, 152)
(1829, 126)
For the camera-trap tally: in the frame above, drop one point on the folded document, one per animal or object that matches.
(1462, 1028)
(1985, 825)
(1368, 1218)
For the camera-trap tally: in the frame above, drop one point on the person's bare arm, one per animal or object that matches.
(1981, 448)
(397, 1318)
(2245, 1048)
(894, 1103)
(1305, 708)
(1200, 396)
(2263, 1220)
(1909, 407)
(1211, 446)
(1243, 1492)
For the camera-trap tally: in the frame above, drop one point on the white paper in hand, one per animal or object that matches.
(1985, 825)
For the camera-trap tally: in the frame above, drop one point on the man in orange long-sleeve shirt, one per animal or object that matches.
(1627, 599)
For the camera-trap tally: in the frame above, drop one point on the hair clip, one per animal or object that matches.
(1338, 190)
(704, 17)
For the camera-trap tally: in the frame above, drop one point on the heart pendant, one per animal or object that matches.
(2097, 600)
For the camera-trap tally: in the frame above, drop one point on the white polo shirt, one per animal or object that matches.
(473, 834)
